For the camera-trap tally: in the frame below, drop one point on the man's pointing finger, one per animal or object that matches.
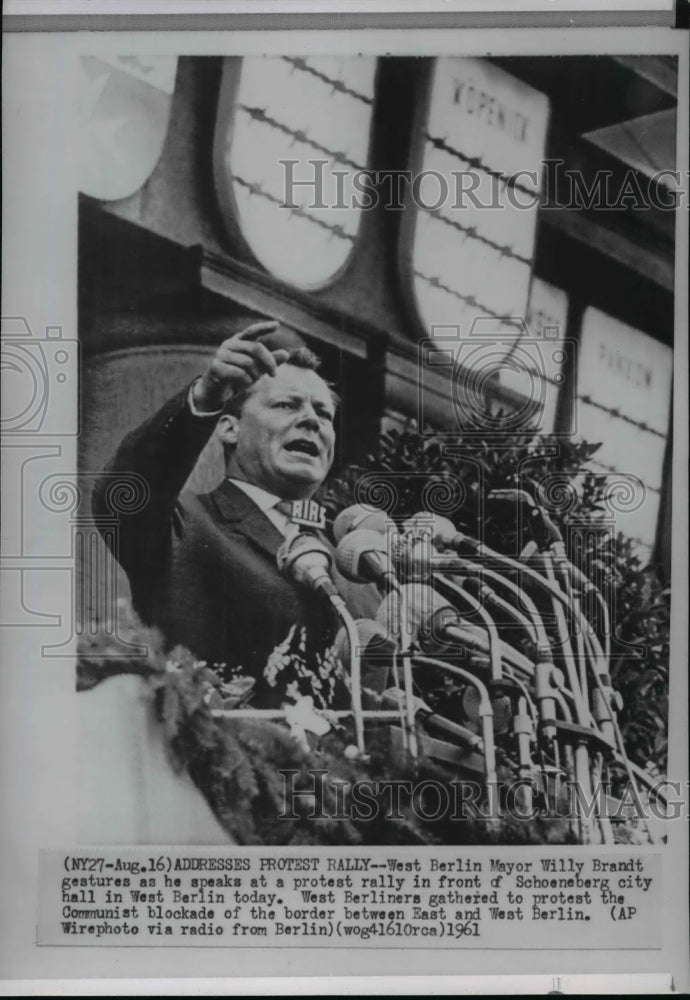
(258, 329)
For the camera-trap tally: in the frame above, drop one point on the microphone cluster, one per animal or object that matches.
(493, 652)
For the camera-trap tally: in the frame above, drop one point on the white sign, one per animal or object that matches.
(624, 400)
(485, 137)
(547, 317)
(625, 370)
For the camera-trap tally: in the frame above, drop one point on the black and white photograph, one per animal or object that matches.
(347, 504)
(375, 416)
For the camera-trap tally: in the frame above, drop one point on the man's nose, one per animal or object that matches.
(307, 418)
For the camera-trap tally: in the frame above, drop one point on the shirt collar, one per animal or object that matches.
(261, 497)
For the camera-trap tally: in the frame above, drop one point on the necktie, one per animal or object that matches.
(285, 508)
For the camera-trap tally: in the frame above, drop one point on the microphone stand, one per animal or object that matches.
(543, 672)
(522, 726)
(547, 586)
(404, 653)
(307, 560)
(562, 606)
(531, 621)
(597, 659)
(605, 700)
(556, 563)
(578, 679)
(355, 667)
(486, 714)
(489, 624)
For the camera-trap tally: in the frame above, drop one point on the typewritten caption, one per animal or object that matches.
(243, 897)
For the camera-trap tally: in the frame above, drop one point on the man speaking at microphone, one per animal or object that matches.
(202, 568)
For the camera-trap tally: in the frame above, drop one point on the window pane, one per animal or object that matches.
(624, 398)
(472, 250)
(316, 113)
(124, 106)
(547, 316)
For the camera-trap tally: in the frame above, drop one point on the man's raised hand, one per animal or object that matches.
(238, 363)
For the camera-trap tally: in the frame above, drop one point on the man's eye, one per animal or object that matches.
(285, 404)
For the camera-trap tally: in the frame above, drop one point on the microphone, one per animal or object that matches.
(376, 646)
(444, 534)
(429, 618)
(413, 556)
(439, 629)
(415, 553)
(394, 698)
(357, 516)
(306, 560)
(362, 556)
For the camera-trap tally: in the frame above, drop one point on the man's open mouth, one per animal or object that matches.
(303, 446)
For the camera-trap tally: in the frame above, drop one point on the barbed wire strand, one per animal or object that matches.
(256, 189)
(471, 233)
(478, 164)
(469, 300)
(621, 416)
(338, 85)
(299, 135)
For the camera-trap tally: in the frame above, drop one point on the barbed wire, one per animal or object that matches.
(301, 64)
(641, 426)
(469, 300)
(478, 164)
(299, 135)
(256, 189)
(471, 233)
(610, 468)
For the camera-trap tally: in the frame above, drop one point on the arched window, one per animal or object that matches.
(124, 107)
(292, 135)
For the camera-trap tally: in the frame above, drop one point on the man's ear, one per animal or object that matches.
(227, 429)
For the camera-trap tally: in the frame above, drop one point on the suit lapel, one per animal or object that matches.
(241, 514)
(238, 510)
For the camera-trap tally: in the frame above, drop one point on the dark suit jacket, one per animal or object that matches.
(202, 568)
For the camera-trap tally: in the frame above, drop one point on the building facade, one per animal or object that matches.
(437, 229)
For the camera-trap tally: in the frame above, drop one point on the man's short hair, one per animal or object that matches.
(298, 357)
